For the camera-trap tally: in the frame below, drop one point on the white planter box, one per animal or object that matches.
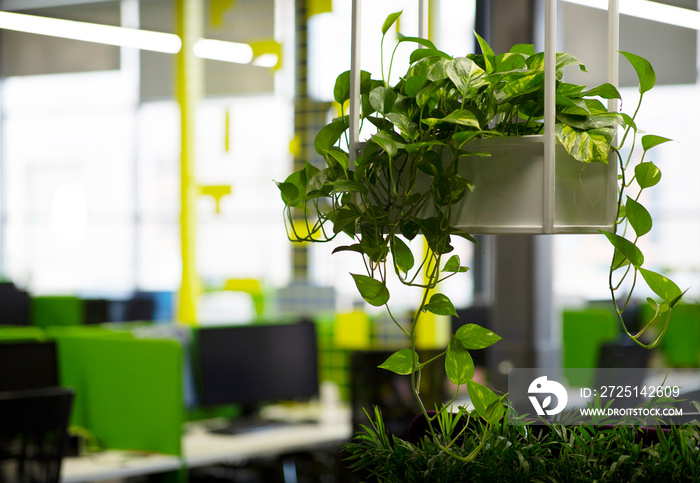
(512, 194)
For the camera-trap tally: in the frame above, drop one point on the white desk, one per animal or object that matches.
(109, 465)
(201, 448)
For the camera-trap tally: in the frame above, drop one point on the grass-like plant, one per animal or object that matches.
(519, 451)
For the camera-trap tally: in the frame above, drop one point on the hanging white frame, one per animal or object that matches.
(536, 188)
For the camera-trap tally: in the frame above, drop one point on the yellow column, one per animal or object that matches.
(190, 21)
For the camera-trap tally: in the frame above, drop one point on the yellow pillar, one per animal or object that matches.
(190, 21)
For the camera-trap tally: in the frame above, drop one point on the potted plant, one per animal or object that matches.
(415, 172)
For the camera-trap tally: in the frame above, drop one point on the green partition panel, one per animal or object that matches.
(681, 343)
(128, 391)
(58, 331)
(17, 332)
(584, 331)
(48, 310)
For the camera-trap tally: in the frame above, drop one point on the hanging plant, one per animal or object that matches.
(407, 181)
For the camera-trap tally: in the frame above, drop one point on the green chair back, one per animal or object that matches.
(584, 332)
(681, 343)
(18, 332)
(48, 310)
(128, 391)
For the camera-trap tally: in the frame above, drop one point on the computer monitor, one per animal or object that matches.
(28, 365)
(251, 365)
(372, 386)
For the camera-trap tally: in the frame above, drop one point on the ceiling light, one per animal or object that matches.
(225, 51)
(90, 32)
(658, 12)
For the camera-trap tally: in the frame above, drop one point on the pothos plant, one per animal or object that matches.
(406, 182)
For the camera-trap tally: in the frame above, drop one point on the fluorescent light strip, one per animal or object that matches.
(225, 51)
(658, 12)
(91, 32)
(266, 60)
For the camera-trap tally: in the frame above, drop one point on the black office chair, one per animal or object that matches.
(33, 434)
(14, 305)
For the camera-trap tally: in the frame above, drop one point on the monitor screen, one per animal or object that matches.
(372, 386)
(256, 364)
(28, 365)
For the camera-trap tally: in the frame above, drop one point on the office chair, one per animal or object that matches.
(14, 305)
(33, 434)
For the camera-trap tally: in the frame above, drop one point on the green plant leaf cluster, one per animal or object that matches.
(634, 221)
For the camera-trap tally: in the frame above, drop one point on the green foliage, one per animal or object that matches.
(523, 452)
(628, 259)
(406, 180)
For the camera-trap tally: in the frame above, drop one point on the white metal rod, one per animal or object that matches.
(613, 48)
(613, 104)
(550, 56)
(355, 79)
(424, 19)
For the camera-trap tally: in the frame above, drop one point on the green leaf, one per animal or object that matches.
(339, 156)
(382, 99)
(523, 83)
(651, 140)
(419, 54)
(525, 49)
(485, 401)
(345, 220)
(606, 91)
(647, 174)
(424, 42)
(473, 336)
(459, 365)
(462, 117)
(409, 229)
(348, 186)
(453, 265)
(341, 89)
(391, 18)
(426, 94)
(462, 71)
(645, 72)
(401, 362)
(405, 125)
(564, 59)
(372, 291)
(430, 163)
(626, 248)
(638, 216)
(388, 142)
(289, 193)
(489, 56)
(403, 256)
(440, 304)
(329, 135)
(414, 85)
(661, 285)
(318, 183)
(586, 146)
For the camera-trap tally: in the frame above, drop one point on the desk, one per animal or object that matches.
(112, 464)
(202, 448)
